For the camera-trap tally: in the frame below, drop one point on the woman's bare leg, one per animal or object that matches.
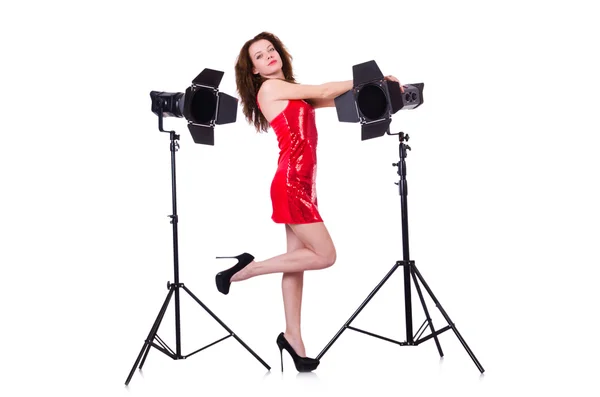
(309, 247)
(291, 288)
(318, 253)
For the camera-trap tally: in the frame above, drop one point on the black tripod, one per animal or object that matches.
(410, 270)
(174, 289)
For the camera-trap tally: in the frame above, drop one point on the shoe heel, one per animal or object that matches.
(281, 356)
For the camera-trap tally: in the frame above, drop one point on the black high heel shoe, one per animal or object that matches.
(223, 279)
(303, 364)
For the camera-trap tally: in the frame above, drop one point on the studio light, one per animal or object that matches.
(202, 105)
(372, 100)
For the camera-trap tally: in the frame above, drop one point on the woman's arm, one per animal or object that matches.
(321, 95)
(275, 89)
(330, 102)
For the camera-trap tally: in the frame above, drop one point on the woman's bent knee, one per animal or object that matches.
(329, 259)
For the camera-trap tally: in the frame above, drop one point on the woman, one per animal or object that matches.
(271, 98)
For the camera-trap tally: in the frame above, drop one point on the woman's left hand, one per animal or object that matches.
(392, 78)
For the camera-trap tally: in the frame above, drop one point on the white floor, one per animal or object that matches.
(81, 355)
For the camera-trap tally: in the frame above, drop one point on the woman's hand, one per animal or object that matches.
(392, 78)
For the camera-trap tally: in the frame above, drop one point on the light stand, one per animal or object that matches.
(410, 271)
(153, 340)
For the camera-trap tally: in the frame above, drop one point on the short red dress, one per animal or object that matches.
(293, 190)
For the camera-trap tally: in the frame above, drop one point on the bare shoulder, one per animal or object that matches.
(269, 89)
(270, 104)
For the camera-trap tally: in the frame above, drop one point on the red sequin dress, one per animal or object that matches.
(293, 190)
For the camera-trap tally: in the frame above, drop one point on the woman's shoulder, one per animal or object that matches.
(273, 85)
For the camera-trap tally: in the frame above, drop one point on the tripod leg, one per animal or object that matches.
(226, 327)
(150, 337)
(460, 338)
(157, 326)
(437, 342)
(377, 288)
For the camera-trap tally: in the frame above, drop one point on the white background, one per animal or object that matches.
(502, 182)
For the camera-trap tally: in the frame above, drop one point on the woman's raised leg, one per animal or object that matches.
(318, 253)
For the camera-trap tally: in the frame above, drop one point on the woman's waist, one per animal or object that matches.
(304, 163)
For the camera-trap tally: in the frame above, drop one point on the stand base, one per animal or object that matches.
(410, 271)
(161, 346)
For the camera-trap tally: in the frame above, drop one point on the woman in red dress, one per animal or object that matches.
(271, 98)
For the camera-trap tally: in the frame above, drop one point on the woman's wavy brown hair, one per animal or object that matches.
(248, 83)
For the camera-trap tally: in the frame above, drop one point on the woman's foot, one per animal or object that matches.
(296, 342)
(243, 274)
(224, 278)
(301, 362)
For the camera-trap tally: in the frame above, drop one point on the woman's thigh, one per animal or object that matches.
(293, 242)
(315, 237)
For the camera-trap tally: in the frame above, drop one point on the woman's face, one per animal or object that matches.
(265, 59)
